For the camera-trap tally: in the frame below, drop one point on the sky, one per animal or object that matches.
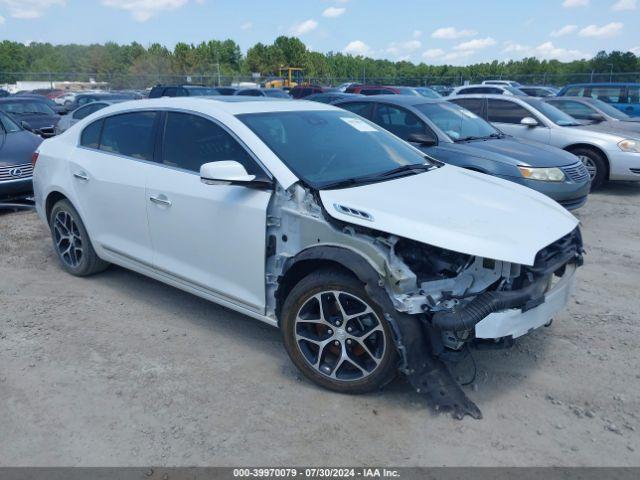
(459, 32)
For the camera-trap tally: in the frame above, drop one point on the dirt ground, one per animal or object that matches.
(118, 369)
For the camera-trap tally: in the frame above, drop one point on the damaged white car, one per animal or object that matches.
(371, 257)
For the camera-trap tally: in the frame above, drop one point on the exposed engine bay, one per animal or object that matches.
(434, 297)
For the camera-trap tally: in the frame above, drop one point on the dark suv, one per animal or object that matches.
(181, 91)
(301, 91)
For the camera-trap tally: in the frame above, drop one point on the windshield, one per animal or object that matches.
(327, 147)
(609, 110)
(457, 122)
(34, 107)
(8, 125)
(552, 113)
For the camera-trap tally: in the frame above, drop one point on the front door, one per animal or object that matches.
(211, 236)
(507, 115)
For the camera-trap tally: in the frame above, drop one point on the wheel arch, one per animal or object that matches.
(595, 148)
(325, 256)
(52, 198)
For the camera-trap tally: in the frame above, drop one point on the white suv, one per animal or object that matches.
(368, 255)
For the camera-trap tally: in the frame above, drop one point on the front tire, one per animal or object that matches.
(337, 335)
(71, 241)
(595, 163)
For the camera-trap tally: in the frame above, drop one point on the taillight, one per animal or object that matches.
(34, 158)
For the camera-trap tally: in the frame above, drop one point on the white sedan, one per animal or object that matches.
(370, 256)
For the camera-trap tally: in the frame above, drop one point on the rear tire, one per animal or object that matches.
(595, 163)
(337, 335)
(71, 241)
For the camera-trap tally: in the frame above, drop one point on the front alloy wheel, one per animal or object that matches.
(337, 335)
(340, 336)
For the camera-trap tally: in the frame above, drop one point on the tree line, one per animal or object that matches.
(225, 59)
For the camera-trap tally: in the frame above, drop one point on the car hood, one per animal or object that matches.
(17, 148)
(510, 151)
(459, 210)
(616, 126)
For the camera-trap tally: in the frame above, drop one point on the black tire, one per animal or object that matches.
(593, 159)
(84, 262)
(380, 357)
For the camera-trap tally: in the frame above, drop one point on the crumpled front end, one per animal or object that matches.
(470, 297)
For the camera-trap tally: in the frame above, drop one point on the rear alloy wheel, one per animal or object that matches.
(71, 241)
(595, 164)
(336, 335)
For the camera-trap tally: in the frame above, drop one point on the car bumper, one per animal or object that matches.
(624, 166)
(11, 189)
(515, 323)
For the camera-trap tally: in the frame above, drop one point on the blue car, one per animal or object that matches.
(453, 134)
(624, 96)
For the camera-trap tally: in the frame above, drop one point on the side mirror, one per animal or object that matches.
(26, 126)
(226, 172)
(529, 122)
(423, 139)
(596, 117)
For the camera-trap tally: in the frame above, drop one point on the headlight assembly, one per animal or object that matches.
(632, 146)
(551, 174)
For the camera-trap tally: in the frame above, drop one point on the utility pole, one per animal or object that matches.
(611, 73)
(218, 65)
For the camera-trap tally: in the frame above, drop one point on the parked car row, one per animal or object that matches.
(591, 129)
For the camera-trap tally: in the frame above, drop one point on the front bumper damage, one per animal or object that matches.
(514, 322)
(517, 300)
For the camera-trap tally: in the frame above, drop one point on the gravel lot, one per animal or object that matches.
(118, 369)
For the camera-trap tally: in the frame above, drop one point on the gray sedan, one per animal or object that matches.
(455, 135)
(596, 113)
(607, 155)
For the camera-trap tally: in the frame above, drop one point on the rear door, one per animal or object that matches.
(507, 115)
(108, 172)
(212, 236)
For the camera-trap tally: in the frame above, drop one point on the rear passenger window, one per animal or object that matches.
(502, 111)
(190, 141)
(90, 137)
(574, 92)
(129, 134)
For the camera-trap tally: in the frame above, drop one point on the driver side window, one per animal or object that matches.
(398, 121)
(189, 141)
(503, 111)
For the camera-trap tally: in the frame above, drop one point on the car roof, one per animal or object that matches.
(406, 100)
(602, 84)
(229, 104)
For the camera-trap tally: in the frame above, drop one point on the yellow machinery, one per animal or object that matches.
(289, 77)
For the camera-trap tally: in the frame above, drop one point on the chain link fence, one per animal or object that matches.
(15, 81)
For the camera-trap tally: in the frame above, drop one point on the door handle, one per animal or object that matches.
(81, 176)
(161, 200)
